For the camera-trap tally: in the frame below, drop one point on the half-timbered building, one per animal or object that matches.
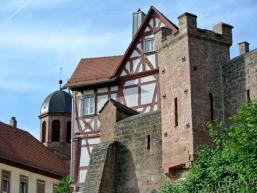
(131, 79)
(148, 110)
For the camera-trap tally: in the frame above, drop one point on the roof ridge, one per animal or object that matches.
(14, 129)
(102, 57)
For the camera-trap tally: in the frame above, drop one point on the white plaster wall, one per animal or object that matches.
(32, 177)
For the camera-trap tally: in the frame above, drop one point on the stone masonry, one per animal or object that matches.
(131, 161)
(191, 76)
(240, 81)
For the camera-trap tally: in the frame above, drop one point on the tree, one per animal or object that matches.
(64, 185)
(232, 157)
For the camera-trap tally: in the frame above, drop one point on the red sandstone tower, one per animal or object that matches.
(191, 90)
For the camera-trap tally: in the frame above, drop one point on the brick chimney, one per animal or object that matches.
(13, 122)
(243, 47)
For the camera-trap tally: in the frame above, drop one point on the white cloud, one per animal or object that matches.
(54, 41)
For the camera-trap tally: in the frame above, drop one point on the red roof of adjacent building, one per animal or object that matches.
(94, 69)
(20, 149)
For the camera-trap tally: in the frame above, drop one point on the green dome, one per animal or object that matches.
(57, 102)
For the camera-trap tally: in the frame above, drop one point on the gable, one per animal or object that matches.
(135, 60)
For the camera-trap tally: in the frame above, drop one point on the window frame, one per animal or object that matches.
(88, 96)
(42, 182)
(6, 174)
(55, 187)
(24, 179)
(150, 46)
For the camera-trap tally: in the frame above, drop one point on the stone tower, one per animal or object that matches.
(55, 123)
(190, 63)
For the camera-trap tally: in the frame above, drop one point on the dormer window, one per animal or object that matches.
(89, 104)
(148, 45)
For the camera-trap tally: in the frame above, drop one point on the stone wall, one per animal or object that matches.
(191, 89)
(131, 162)
(101, 172)
(139, 160)
(240, 77)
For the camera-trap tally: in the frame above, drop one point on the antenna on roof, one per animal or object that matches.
(60, 81)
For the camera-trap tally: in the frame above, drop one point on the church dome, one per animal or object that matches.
(57, 102)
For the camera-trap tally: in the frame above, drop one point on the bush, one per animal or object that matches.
(64, 185)
(232, 158)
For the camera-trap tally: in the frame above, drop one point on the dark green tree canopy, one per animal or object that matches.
(233, 156)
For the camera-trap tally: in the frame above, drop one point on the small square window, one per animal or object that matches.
(89, 104)
(149, 45)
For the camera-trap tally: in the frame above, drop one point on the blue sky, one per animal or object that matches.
(39, 36)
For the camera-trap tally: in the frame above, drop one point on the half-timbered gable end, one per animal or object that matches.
(131, 79)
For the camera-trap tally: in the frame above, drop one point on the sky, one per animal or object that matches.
(37, 37)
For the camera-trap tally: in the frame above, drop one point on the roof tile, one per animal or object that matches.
(94, 69)
(21, 147)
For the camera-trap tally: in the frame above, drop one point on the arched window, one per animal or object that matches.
(43, 137)
(55, 130)
(68, 132)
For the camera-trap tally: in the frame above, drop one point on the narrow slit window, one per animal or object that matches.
(68, 132)
(211, 107)
(176, 111)
(248, 95)
(44, 132)
(148, 141)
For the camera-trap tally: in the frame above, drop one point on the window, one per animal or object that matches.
(68, 132)
(55, 130)
(211, 107)
(40, 186)
(6, 177)
(55, 186)
(248, 95)
(24, 184)
(149, 45)
(176, 111)
(148, 141)
(89, 104)
(44, 132)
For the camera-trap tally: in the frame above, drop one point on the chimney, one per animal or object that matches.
(243, 48)
(13, 122)
(138, 18)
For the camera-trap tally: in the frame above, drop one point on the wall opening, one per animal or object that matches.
(211, 106)
(176, 111)
(148, 141)
(68, 132)
(248, 96)
(56, 131)
(43, 137)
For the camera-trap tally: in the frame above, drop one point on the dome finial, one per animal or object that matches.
(60, 81)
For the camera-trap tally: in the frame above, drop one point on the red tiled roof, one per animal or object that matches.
(20, 147)
(94, 69)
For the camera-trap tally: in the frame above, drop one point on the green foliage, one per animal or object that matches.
(232, 158)
(64, 185)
